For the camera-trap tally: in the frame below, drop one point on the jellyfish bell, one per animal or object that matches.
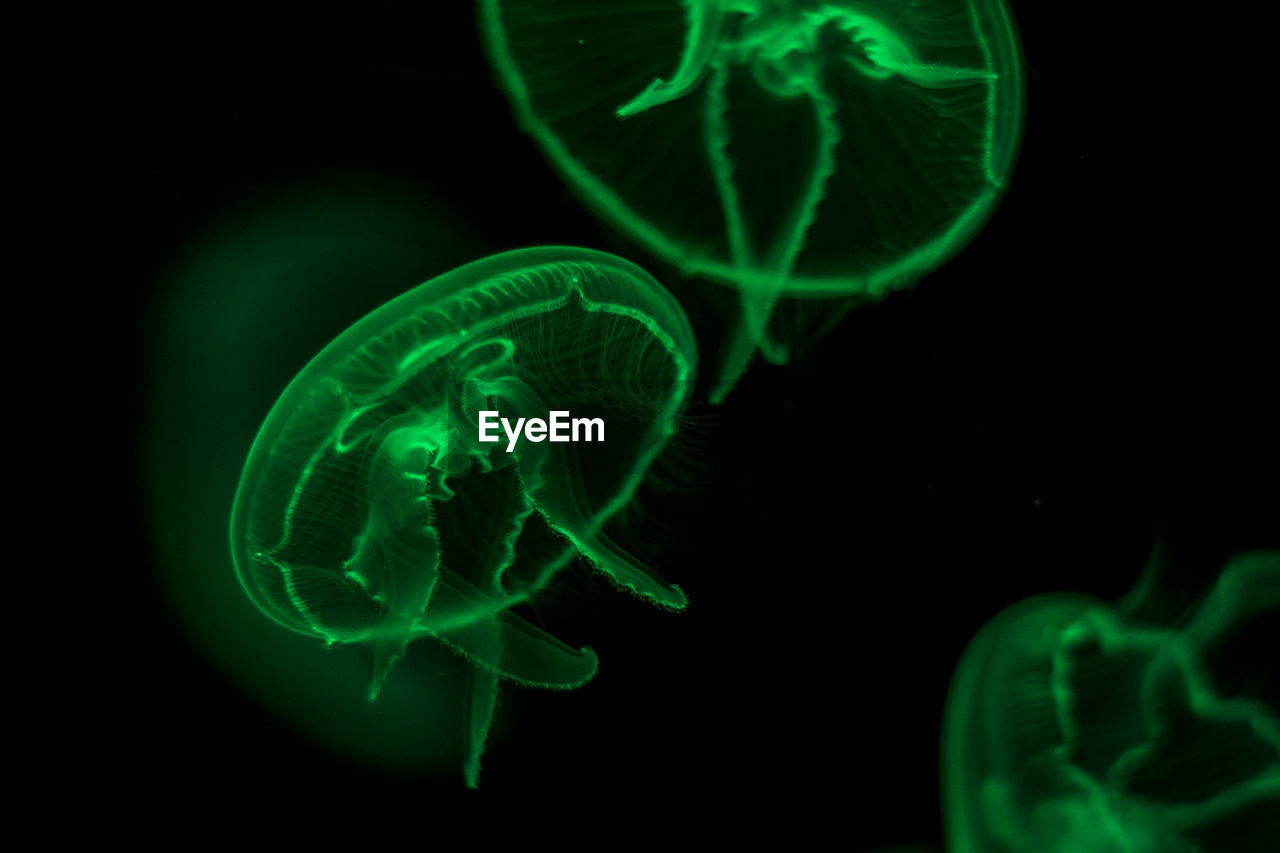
(369, 510)
(791, 149)
(1074, 724)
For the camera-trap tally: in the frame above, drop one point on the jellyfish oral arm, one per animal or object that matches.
(398, 554)
(705, 22)
(556, 492)
(880, 53)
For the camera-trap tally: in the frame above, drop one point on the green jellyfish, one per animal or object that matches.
(1073, 725)
(788, 148)
(375, 507)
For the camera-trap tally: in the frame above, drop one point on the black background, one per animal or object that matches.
(1094, 372)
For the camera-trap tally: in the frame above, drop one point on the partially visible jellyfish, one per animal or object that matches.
(1073, 725)
(788, 148)
(369, 510)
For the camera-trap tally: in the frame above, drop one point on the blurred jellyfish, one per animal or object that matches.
(788, 148)
(369, 512)
(1072, 725)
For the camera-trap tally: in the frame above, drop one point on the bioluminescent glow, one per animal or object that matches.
(369, 512)
(788, 148)
(1081, 727)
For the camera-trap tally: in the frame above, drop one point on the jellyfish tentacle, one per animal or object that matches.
(553, 483)
(705, 20)
(752, 333)
(480, 702)
(742, 344)
(791, 240)
(934, 76)
(398, 552)
(779, 50)
(472, 614)
(883, 53)
(716, 137)
(782, 255)
(550, 473)
(481, 627)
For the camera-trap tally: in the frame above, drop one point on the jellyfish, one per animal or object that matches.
(786, 148)
(1075, 725)
(372, 510)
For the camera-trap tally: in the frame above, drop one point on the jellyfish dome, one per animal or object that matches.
(1076, 726)
(841, 147)
(375, 509)
(784, 147)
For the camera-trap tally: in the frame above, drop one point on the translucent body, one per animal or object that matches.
(1076, 726)
(785, 147)
(369, 512)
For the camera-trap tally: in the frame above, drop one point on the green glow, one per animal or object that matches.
(369, 512)
(789, 148)
(1072, 725)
